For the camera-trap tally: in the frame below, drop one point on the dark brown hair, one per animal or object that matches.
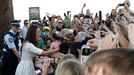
(25, 21)
(31, 35)
(70, 37)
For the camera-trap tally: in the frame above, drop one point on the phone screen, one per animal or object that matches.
(86, 51)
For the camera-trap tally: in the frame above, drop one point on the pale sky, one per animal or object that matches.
(58, 7)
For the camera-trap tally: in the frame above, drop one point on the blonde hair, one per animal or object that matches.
(113, 61)
(69, 67)
(67, 56)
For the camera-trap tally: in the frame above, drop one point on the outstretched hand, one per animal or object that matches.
(93, 43)
(108, 42)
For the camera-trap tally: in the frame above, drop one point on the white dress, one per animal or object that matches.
(26, 67)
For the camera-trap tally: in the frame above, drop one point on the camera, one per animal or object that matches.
(122, 4)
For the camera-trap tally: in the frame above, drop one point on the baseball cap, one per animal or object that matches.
(46, 28)
(15, 23)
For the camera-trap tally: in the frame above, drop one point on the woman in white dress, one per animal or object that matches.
(29, 51)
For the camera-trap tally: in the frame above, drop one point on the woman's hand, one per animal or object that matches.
(45, 66)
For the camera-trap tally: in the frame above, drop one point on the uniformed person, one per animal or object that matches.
(11, 54)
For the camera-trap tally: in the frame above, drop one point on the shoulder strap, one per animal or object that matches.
(16, 41)
(11, 34)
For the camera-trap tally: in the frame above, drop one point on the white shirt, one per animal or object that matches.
(24, 31)
(9, 40)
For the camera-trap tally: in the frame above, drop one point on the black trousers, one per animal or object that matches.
(9, 67)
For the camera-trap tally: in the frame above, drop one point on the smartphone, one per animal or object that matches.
(84, 5)
(86, 51)
(84, 54)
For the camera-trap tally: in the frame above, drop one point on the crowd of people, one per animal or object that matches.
(86, 45)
